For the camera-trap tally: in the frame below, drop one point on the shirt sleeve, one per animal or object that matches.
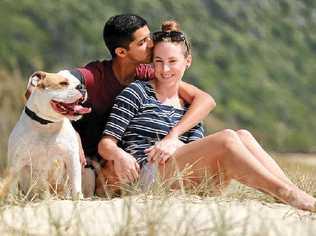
(145, 72)
(195, 133)
(126, 106)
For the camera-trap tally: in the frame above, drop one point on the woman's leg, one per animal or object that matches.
(224, 151)
(261, 155)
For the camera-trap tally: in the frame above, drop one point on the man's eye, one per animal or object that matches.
(141, 43)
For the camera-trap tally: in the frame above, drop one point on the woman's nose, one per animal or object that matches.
(165, 67)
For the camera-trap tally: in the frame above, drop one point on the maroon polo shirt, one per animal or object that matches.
(102, 87)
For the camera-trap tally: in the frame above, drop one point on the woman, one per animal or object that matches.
(144, 113)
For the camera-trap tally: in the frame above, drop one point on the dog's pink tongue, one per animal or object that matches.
(81, 110)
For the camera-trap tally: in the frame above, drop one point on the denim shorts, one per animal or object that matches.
(148, 175)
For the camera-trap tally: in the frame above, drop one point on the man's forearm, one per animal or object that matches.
(196, 113)
(108, 149)
(201, 104)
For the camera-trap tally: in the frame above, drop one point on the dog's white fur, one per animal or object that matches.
(42, 156)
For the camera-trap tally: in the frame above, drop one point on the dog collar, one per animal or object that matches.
(33, 116)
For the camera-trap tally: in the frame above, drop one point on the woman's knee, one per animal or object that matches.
(243, 133)
(229, 139)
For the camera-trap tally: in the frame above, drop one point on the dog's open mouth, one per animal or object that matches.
(70, 109)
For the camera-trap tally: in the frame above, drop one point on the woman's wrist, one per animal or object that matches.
(173, 133)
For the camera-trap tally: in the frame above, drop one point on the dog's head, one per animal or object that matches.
(53, 96)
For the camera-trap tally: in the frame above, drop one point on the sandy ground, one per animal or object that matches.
(141, 215)
(145, 215)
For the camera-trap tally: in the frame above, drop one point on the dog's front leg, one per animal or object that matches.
(75, 176)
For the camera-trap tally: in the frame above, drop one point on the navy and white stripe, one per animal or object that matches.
(138, 120)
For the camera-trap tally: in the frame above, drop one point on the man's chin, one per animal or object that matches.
(148, 59)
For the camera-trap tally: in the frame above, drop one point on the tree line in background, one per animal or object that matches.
(255, 57)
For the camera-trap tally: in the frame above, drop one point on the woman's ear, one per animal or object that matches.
(188, 62)
(120, 52)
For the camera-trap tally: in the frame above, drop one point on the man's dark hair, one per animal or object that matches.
(118, 31)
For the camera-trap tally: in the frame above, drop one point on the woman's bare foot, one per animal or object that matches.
(298, 198)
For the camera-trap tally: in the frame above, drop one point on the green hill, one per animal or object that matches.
(255, 57)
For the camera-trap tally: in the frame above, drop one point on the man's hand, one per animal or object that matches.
(126, 168)
(125, 165)
(163, 149)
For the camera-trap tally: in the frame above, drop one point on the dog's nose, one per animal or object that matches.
(82, 89)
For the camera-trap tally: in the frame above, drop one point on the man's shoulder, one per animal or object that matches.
(98, 64)
(94, 71)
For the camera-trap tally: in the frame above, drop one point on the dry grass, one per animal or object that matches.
(161, 211)
(12, 89)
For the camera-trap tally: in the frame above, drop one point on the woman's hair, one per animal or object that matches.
(170, 25)
(175, 35)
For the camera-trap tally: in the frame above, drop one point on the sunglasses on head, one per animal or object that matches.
(174, 36)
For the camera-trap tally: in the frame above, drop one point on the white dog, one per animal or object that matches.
(43, 147)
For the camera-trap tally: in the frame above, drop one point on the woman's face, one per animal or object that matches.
(169, 62)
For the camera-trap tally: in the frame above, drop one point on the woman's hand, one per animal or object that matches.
(163, 149)
(126, 168)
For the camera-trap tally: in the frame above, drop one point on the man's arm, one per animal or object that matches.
(125, 165)
(201, 104)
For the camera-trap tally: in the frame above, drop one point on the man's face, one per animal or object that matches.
(140, 49)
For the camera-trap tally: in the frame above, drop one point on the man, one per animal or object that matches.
(127, 37)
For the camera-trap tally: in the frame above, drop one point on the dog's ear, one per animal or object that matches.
(34, 81)
(37, 78)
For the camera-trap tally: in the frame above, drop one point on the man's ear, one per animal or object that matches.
(121, 52)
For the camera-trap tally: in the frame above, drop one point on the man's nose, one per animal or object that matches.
(150, 42)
